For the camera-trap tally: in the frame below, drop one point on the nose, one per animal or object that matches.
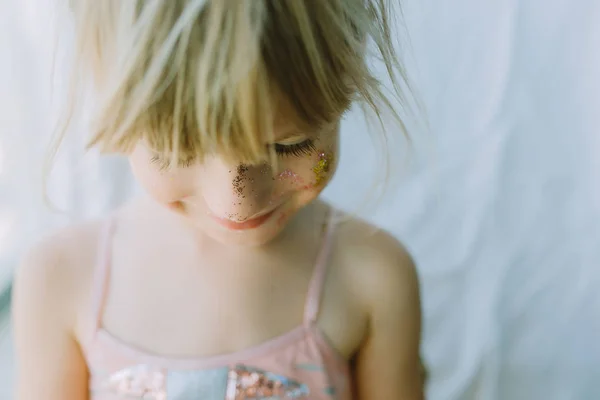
(238, 192)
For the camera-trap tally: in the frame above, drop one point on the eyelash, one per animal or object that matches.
(296, 150)
(165, 164)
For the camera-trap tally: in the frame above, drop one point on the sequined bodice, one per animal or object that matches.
(300, 364)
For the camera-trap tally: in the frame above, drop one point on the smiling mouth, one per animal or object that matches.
(247, 224)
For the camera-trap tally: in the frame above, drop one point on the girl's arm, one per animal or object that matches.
(50, 365)
(388, 365)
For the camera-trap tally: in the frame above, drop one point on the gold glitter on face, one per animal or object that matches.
(322, 168)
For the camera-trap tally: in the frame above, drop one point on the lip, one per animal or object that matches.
(245, 225)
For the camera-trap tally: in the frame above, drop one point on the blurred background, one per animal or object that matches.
(499, 203)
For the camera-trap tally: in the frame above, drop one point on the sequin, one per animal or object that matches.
(238, 383)
(139, 382)
(247, 383)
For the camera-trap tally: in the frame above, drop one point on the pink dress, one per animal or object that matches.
(300, 364)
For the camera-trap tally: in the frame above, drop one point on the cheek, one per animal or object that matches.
(311, 173)
(306, 178)
(163, 187)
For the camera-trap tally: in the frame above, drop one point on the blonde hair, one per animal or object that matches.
(198, 76)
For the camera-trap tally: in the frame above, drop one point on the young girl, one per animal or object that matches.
(229, 280)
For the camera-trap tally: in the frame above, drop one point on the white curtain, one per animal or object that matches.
(33, 42)
(500, 205)
(502, 209)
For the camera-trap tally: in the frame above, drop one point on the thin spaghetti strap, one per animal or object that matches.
(315, 289)
(101, 275)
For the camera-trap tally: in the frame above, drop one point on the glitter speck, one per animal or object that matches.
(242, 169)
(264, 169)
(322, 168)
(288, 174)
(238, 186)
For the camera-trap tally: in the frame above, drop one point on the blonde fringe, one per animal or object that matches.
(192, 77)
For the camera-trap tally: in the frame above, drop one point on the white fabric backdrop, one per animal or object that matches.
(501, 209)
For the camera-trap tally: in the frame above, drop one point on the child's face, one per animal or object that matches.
(237, 203)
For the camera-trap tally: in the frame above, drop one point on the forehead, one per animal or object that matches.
(285, 123)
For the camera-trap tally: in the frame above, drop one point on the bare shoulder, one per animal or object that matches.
(56, 271)
(384, 278)
(377, 263)
(62, 255)
(51, 286)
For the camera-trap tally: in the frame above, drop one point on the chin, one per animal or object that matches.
(249, 237)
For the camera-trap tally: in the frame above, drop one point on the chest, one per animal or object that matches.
(183, 306)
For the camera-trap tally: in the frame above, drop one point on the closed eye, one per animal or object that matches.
(295, 149)
(165, 164)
